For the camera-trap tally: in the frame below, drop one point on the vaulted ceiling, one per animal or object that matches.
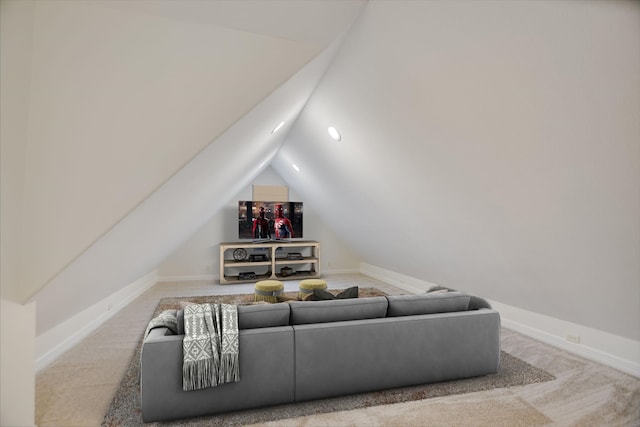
(487, 146)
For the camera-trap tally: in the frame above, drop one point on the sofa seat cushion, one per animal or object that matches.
(409, 305)
(337, 310)
(263, 315)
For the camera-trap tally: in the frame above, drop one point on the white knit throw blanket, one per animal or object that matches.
(210, 346)
(166, 319)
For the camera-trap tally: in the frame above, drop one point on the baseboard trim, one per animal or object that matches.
(192, 278)
(611, 350)
(621, 353)
(408, 283)
(216, 278)
(51, 344)
(341, 271)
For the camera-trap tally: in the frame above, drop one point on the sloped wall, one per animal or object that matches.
(16, 34)
(118, 103)
(17, 344)
(164, 220)
(487, 146)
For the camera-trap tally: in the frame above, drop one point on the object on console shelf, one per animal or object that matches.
(257, 257)
(240, 254)
(247, 275)
(286, 271)
(294, 255)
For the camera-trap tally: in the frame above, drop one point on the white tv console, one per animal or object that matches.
(245, 262)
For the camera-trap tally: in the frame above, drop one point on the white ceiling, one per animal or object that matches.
(305, 21)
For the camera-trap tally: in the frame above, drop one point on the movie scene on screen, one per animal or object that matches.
(263, 220)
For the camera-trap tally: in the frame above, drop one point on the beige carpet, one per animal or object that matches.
(125, 406)
(76, 389)
(125, 409)
(474, 409)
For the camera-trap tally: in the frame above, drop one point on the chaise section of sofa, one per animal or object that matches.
(339, 358)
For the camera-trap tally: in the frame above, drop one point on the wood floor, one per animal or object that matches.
(77, 388)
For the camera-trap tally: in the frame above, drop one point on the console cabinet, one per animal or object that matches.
(244, 262)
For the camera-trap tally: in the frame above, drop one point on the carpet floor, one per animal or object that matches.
(77, 389)
(124, 409)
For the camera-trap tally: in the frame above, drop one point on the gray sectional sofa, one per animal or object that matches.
(298, 351)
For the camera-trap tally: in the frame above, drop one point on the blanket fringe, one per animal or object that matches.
(229, 368)
(198, 374)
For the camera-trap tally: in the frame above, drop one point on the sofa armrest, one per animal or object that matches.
(266, 376)
(157, 333)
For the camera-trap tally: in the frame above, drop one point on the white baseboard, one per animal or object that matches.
(51, 344)
(611, 350)
(410, 284)
(216, 278)
(340, 271)
(192, 278)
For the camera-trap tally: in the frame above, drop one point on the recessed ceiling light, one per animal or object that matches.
(333, 132)
(296, 167)
(277, 128)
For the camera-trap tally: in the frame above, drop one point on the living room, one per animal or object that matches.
(485, 146)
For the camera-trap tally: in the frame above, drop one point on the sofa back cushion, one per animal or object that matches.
(304, 312)
(409, 305)
(263, 315)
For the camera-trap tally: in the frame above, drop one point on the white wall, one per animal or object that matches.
(159, 223)
(17, 321)
(198, 258)
(490, 146)
(16, 28)
(120, 100)
(17, 364)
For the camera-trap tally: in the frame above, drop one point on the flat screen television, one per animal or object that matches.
(263, 220)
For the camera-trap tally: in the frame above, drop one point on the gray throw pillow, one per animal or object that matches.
(475, 303)
(324, 295)
(440, 289)
(351, 292)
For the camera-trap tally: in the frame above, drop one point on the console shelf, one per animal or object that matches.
(299, 259)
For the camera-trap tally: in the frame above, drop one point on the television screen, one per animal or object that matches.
(260, 220)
